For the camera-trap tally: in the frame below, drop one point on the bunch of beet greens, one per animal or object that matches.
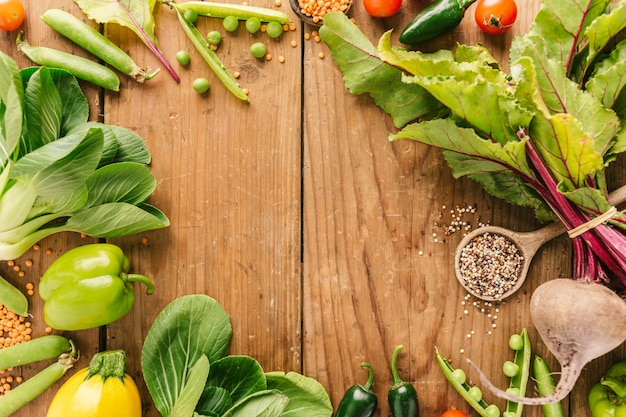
(540, 136)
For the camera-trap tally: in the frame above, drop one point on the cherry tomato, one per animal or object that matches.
(495, 16)
(454, 413)
(11, 14)
(382, 8)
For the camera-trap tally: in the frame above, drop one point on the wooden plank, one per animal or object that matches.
(228, 178)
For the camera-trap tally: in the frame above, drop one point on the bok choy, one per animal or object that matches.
(60, 172)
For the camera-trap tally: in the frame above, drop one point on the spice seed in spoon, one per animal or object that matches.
(490, 265)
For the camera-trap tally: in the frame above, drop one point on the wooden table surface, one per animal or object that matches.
(324, 242)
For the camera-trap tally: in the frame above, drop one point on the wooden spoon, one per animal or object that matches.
(528, 243)
(295, 6)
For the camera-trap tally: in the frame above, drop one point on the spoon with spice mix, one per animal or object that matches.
(492, 262)
(313, 11)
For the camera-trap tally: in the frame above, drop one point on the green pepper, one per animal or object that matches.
(608, 397)
(88, 287)
(437, 18)
(402, 396)
(359, 400)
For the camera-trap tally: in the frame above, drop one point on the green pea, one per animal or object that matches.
(190, 15)
(508, 414)
(258, 50)
(201, 85)
(476, 393)
(513, 391)
(516, 342)
(253, 24)
(274, 29)
(492, 411)
(231, 23)
(182, 57)
(214, 37)
(459, 375)
(510, 369)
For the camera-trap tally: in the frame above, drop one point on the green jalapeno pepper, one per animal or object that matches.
(608, 397)
(402, 396)
(437, 18)
(88, 287)
(359, 400)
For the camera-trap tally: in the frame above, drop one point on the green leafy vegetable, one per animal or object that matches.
(134, 15)
(195, 326)
(540, 136)
(60, 172)
(307, 396)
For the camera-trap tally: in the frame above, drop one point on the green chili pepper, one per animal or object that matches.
(437, 18)
(402, 396)
(88, 287)
(608, 397)
(359, 400)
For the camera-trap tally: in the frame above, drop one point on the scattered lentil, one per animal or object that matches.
(490, 264)
(281, 59)
(321, 55)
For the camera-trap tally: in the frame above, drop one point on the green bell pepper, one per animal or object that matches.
(88, 287)
(608, 397)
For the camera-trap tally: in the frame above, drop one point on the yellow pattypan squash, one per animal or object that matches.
(101, 390)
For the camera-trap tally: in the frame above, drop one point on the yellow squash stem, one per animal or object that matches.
(101, 390)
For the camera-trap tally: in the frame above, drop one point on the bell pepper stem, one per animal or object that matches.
(143, 279)
(617, 386)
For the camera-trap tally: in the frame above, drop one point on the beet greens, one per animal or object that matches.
(540, 136)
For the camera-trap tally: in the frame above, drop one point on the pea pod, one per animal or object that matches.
(223, 10)
(437, 18)
(519, 381)
(402, 396)
(80, 67)
(93, 41)
(210, 57)
(34, 350)
(359, 400)
(471, 395)
(36, 385)
(545, 386)
(13, 298)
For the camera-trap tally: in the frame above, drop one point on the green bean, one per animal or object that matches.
(519, 380)
(34, 350)
(36, 385)
(93, 41)
(12, 298)
(211, 58)
(80, 67)
(545, 386)
(457, 379)
(241, 12)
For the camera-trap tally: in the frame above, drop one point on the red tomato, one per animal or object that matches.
(495, 16)
(382, 8)
(11, 14)
(454, 413)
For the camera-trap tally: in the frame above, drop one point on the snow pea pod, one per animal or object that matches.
(93, 41)
(458, 380)
(34, 350)
(80, 67)
(520, 343)
(359, 400)
(545, 386)
(13, 298)
(36, 385)
(434, 20)
(402, 396)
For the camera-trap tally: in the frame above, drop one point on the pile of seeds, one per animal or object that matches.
(490, 264)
